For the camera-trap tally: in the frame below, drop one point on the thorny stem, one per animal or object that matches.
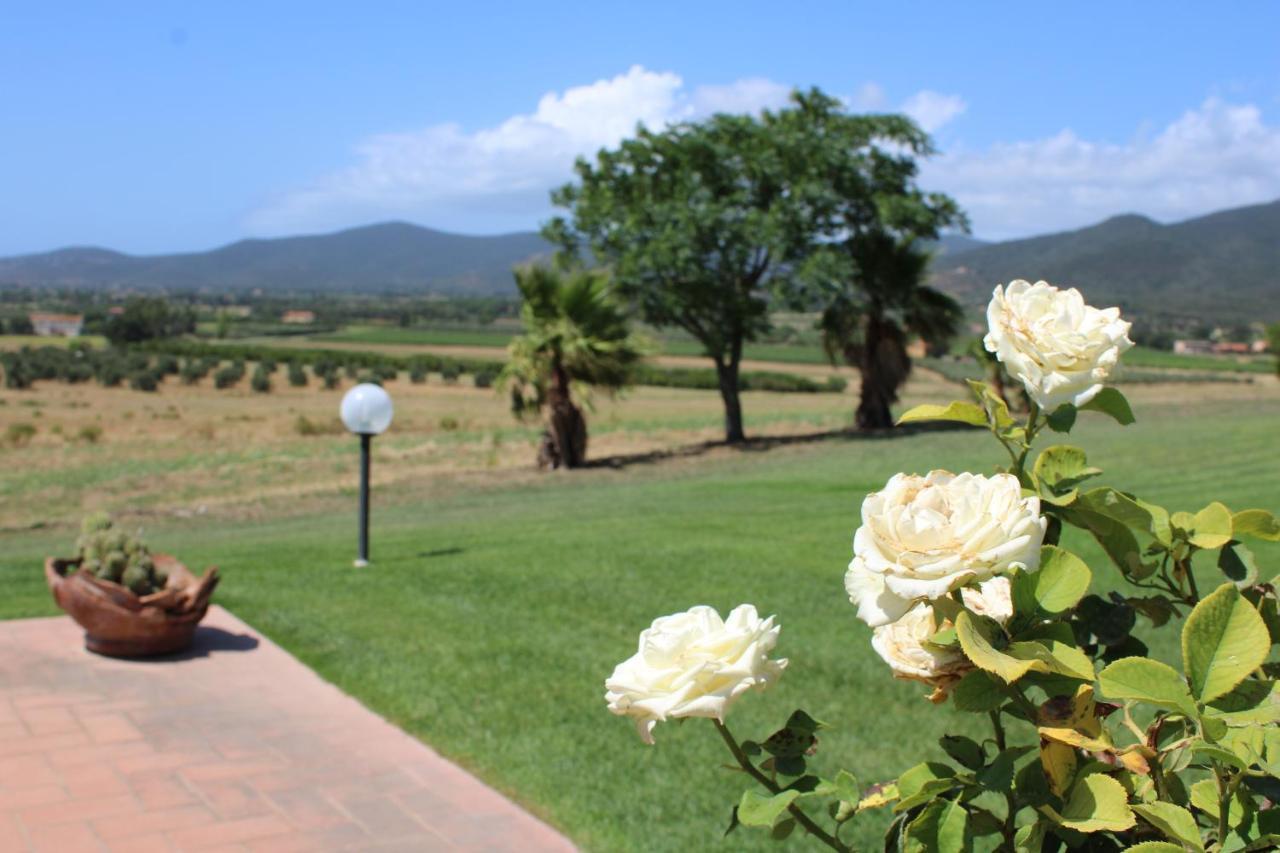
(796, 812)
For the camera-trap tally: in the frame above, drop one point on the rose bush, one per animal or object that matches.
(694, 664)
(922, 537)
(1095, 745)
(1061, 349)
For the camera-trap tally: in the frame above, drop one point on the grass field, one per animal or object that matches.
(496, 606)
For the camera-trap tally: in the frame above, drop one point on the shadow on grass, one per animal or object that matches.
(766, 443)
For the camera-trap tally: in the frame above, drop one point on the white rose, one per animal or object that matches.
(1061, 349)
(922, 537)
(902, 646)
(694, 664)
(993, 598)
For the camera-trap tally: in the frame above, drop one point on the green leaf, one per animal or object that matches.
(977, 693)
(1257, 523)
(1129, 511)
(801, 722)
(1204, 796)
(1156, 847)
(964, 750)
(1237, 563)
(1111, 402)
(975, 639)
(998, 775)
(1212, 752)
(1147, 680)
(1212, 526)
(846, 787)
(1030, 838)
(1224, 639)
(922, 783)
(1097, 803)
(1173, 820)
(1251, 703)
(965, 413)
(940, 828)
(1062, 419)
(1062, 580)
(757, 810)
(1056, 658)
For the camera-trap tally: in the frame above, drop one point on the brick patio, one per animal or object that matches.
(233, 746)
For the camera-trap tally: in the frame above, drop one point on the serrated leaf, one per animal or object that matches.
(1029, 838)
(1097, 803)
(998, 775)
(940, 828)
(1147, 680)
(1257, 523)
(757, 810)
(1212, 527)
(1204, 796)
(977, 693)
(965, 413)
(1156, 847)
(1173, 821)
(1062, 580)
(1224, 639)
(1059, 763)
(1111, 402)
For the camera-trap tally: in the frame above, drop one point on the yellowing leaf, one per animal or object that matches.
(1212, 526)
(966, 413)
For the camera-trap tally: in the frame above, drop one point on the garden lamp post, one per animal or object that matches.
(366, 411)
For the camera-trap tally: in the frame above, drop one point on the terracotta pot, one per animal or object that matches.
(119, 623)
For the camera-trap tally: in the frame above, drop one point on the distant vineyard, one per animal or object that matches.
(146, 366)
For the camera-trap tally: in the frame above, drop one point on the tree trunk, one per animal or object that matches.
(884, 366)
(727, 374)
(564, 444)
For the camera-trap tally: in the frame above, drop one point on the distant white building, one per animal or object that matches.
(301, 318)
(1193, 347)
(63, 325)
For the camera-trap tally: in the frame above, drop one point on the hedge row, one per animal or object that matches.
(666, 377)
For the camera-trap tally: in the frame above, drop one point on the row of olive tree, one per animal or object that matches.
(706, 226)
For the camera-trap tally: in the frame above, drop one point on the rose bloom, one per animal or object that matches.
(902, 646)
(694, 664)
(922, 537)
(1061, 349)
(993, 599)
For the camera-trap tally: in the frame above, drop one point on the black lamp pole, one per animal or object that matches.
(365, 440)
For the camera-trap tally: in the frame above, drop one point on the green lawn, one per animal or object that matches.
(1144, 357)
(489, 621)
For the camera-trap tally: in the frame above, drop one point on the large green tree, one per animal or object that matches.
(705, 225)
(868, 265)
(575, 332)
(696, 223)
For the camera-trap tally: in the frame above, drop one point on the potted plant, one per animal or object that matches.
(130, 601)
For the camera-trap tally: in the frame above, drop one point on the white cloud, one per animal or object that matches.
(932, 110)
(497, 178)
(1216, 156)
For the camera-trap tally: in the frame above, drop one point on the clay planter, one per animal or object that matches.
(119, 623)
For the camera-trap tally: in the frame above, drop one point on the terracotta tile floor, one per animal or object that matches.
(232, 746)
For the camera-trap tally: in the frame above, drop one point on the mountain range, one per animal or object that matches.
(1224, 266)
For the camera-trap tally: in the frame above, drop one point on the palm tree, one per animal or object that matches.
(575, 332)
(880, 300)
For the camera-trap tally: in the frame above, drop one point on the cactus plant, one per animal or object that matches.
(111, 554)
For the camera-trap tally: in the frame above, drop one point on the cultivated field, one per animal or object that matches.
(500, 598)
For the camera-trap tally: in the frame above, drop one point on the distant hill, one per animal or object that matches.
(1224, 266)
(390, 257)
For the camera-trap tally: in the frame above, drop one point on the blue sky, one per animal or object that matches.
(153, 127)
